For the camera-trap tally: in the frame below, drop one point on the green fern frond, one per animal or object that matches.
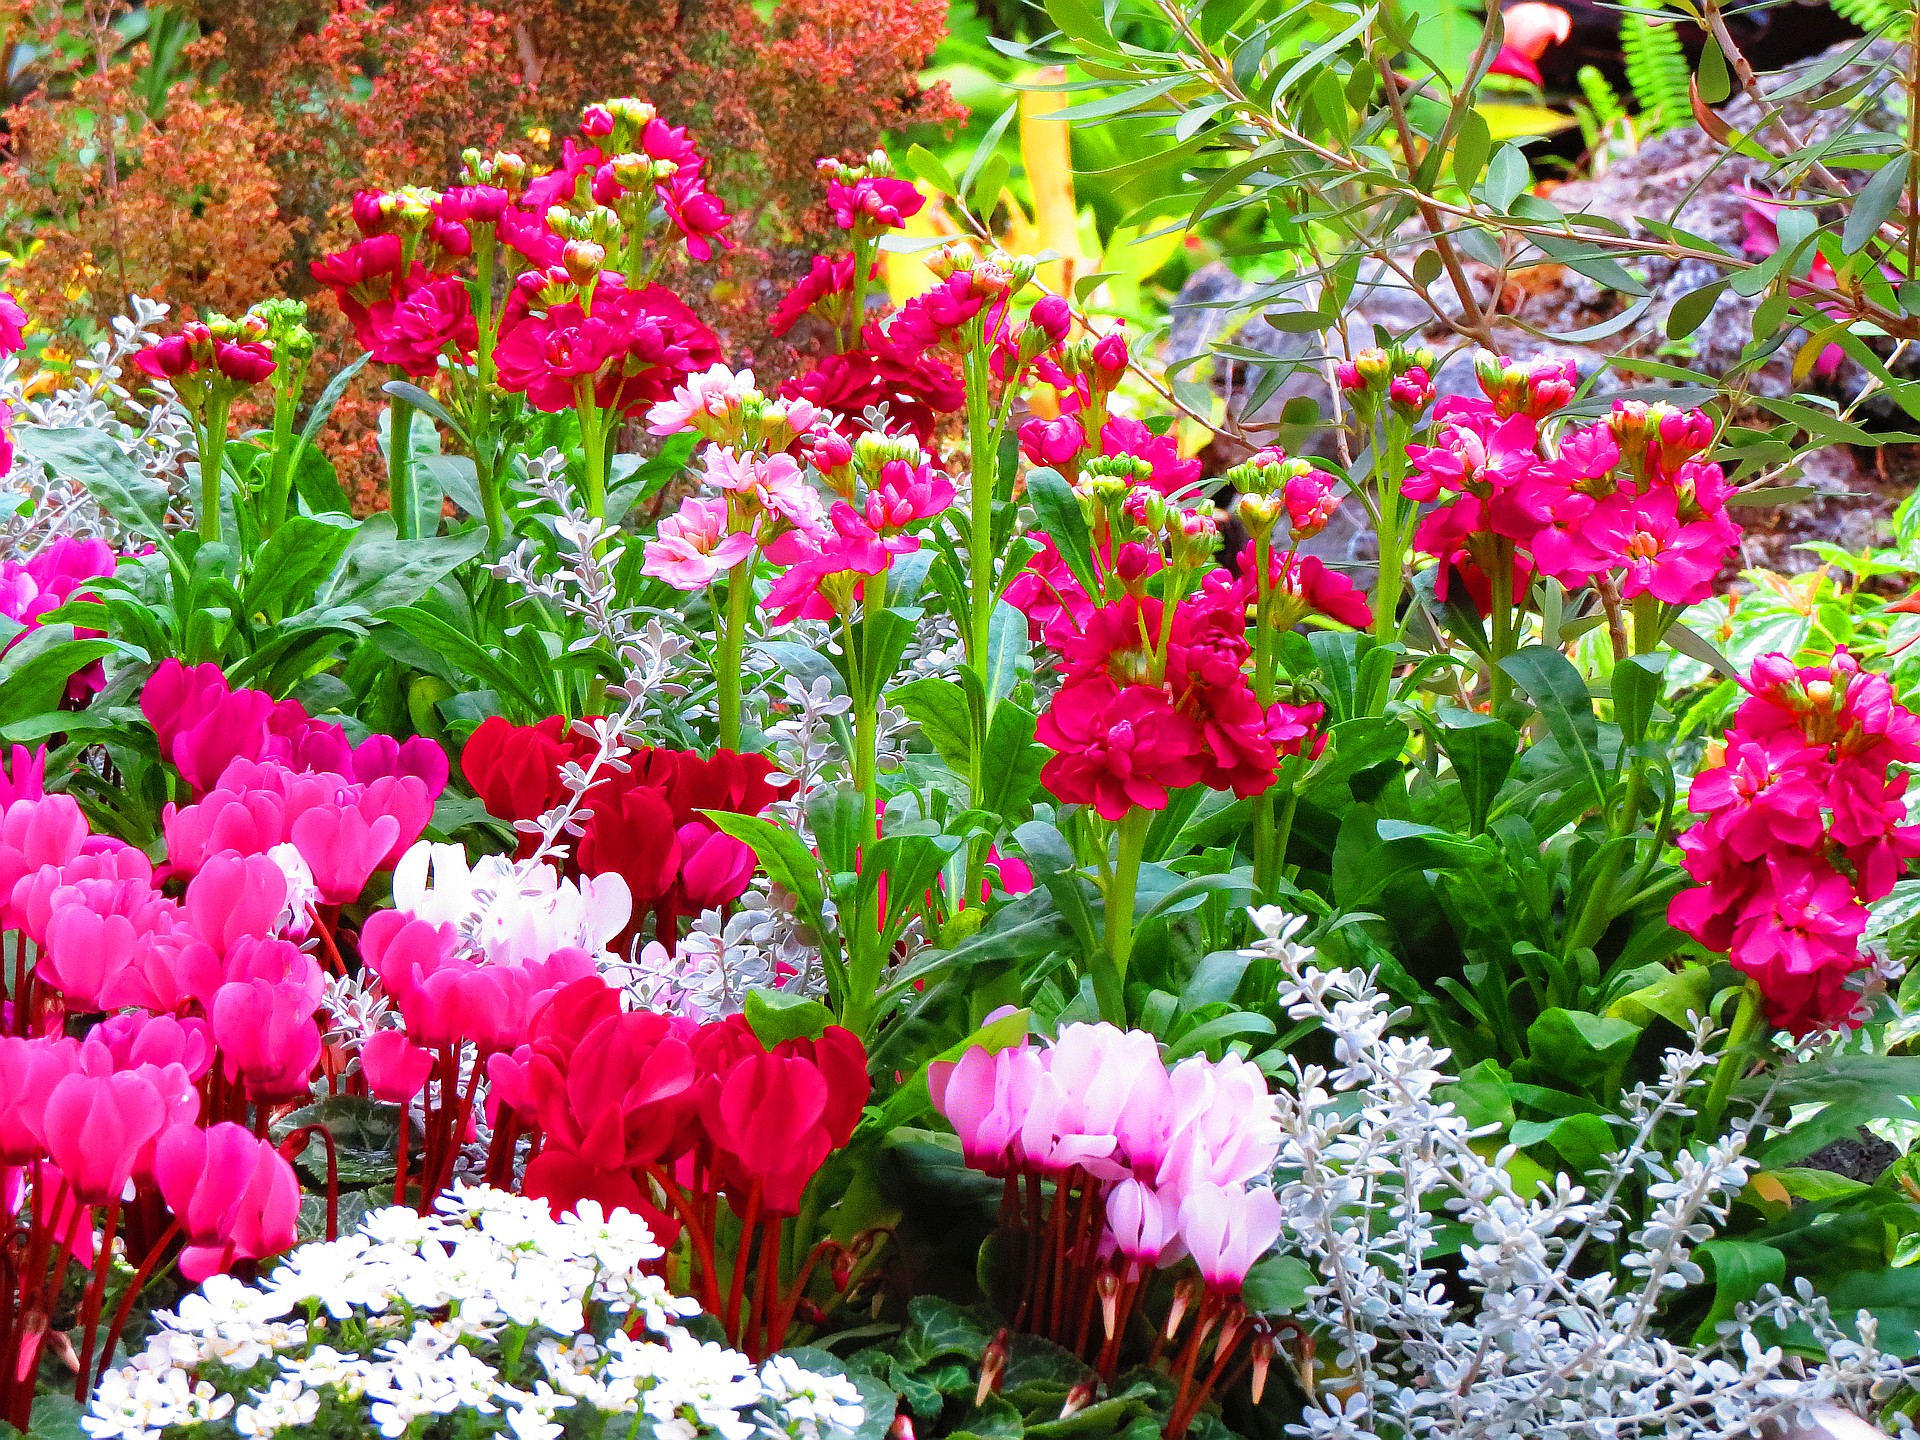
(1602, 99)
(1656, 69)
(1876, 17)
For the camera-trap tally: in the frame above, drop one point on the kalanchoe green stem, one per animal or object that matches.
(1500, 602)
(1264, 860)
(1392, 535)
(211, 452)
(403, 496)
(1110, 980)
(485, 443)
(1734, 1058)
(733, 627)
(593, 442)
(286, 399)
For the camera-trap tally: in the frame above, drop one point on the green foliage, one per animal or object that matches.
(1656, 68)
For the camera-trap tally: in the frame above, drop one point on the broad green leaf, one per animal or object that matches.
(117, 483)
(776, 1016)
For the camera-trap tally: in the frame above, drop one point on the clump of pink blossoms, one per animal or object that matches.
(1802, 832)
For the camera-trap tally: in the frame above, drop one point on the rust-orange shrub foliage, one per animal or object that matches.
(101, 200)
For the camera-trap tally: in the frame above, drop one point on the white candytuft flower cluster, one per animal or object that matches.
(1518, 1338)
(490, 1317)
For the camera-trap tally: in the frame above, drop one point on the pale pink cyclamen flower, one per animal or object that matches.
(1144, 1223)
(984, 1096)
(694, 545)
(1227, 1229)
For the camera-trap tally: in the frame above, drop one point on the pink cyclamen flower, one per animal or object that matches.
(693, 545)
(1227, 1229)
(97, 1125)
(235, 1197)
(342, 848)
(1143, 1224)
(396, 1068)
(235, 896)
(984, 1096)
(267, 1037)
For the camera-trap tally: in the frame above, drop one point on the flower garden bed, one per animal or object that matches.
(895, 902)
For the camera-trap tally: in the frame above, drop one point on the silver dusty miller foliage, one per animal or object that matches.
(156, 436)
(653, 658)
(1374, 1160)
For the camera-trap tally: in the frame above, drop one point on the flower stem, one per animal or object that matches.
(733, 625)
(402, 494)
(1746, 1020)
(1500, 601)
(210, 461)
(1110, 981)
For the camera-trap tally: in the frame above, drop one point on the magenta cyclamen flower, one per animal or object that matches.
(233, 1194)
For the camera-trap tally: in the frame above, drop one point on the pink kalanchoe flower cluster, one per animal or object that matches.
(888, 491)
(1803, 830)
(1159, 1163)
(761, 498)
(1626, 500)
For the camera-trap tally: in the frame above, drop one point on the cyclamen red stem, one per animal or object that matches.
(90, 1308)
(124, 1311)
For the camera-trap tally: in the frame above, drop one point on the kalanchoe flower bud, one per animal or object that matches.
(583, 260)
(596, 122)
(1374, 367)
(1257, 514)
(374, 212)
(244, 365)
(951, 258)
(1411, 392)
(1310, 502)
(1109, 360)
(1535, 389)
(1020, 271)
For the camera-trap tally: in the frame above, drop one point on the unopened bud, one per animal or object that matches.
(1078, 1398)
(993, 1368)
(583, 261)
(1108, 1286)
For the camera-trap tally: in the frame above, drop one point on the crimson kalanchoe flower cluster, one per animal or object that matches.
(209, 364)
(1803, 830)
(646, 824)
(583, 327)
(1116, 1167)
